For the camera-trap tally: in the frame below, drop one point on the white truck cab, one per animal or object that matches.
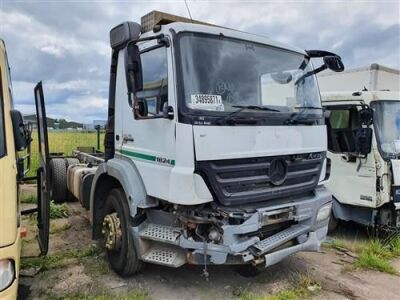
(364, 144)
(215, 149)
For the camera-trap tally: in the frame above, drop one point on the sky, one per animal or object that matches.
(66, 43)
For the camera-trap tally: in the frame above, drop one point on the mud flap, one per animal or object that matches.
(43, 186)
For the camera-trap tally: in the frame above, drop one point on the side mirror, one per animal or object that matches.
(133, 69)
(21, 140)
(334, 63)
(363, 141)
(366, 116)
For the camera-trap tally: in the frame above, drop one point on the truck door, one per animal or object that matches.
(353, 178)
(148, 141)
(43, 183)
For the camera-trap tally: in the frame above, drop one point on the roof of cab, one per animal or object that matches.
(217, 30)
(362, 96)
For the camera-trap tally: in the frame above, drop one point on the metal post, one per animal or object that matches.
(98, 136)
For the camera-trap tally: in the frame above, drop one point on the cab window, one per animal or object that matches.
(341, 126)
(2, 129)
(154, 95)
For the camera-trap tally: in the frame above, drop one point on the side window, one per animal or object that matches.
(340, 119)
(2, 129)
(154, 95)
(341, 128)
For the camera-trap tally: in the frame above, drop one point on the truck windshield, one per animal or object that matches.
(221, 74)
(387, 127)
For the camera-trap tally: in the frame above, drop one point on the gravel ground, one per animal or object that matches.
(73, 274)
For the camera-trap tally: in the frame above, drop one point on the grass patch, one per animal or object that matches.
(56, 229)
(58, 210)
(59, 259)
(372, 254)
(303, 287)
(372, 261)
(135, 295)
(28, 198)
(63, 141)
(95, 265)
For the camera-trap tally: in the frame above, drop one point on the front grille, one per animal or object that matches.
(246, 180)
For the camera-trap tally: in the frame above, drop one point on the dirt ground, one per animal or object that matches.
(73, 271)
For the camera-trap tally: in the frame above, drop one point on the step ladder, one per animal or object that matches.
(278, 239)
(166, 256)
(160, 233)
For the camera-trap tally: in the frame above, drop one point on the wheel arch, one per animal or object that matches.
(117, 173)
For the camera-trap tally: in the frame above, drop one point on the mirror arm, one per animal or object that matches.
(315, 71)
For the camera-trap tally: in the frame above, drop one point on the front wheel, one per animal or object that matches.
(118, 239)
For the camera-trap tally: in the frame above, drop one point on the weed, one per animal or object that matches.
(394, 245)
(58, 259)
(28, 198)
(134, 295)
(373, 254)
(58, 210)
(303, 287)
(372, 261)
(56, 229)
(96, 266)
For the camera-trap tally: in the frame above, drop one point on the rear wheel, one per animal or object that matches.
(118, 239)
(58, 180)
(71, 161)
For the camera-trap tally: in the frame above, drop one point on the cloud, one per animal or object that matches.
(65, 43)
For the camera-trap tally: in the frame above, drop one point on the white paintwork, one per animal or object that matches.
(169, 139)
(185, 187)
(396, 171)
(348, 183)
(224, 142)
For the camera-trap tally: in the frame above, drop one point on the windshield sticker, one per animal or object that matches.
(208, 102)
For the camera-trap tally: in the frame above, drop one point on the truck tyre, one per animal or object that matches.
(123, 260)
(58, 180)
(71, 161)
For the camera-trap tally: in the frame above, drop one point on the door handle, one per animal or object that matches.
(127, 138)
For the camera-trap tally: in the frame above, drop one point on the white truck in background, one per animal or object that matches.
(364, 144)
(202, 164)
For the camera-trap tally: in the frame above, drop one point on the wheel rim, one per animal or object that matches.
(112, 232)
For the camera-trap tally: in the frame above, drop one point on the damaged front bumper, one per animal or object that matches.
(307, 225)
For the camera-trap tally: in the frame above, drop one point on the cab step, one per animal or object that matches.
(160, 233)
(278, 239)
(165, 256)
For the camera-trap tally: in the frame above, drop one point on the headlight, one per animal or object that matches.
(324, 212)
(7, 273)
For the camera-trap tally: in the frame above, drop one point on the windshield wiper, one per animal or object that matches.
(254, 107)
(296, 117)
(231, 121)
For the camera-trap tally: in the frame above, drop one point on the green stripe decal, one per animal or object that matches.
(147, 157)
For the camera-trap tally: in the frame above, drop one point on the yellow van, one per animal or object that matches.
(15, 137)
